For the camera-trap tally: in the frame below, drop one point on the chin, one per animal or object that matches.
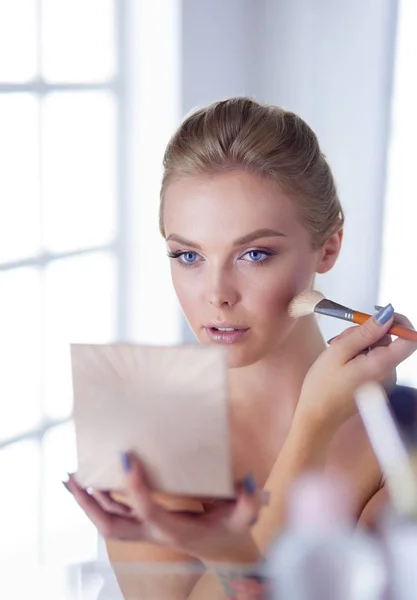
(237, 360)
(249, 353)
(242, 355)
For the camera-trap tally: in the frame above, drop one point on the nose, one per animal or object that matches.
(222, 290)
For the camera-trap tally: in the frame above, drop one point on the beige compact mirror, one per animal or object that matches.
(167, 404)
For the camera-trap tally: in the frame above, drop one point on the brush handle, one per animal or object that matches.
(403, 332)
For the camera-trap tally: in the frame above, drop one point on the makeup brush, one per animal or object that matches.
(311, 301)
(390, 450)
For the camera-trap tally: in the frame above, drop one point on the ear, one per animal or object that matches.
(329, 252)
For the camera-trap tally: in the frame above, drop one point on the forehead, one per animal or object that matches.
(227, 206)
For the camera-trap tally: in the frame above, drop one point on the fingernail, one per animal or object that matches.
(249, 484)
(66, 485)
(378, 307)
(331, 339)
(384, 314)
(125, 462)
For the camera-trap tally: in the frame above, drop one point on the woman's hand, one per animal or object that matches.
(221, 535)
(391, 378)
(358, 355)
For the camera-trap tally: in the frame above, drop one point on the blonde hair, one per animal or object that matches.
(243, 134)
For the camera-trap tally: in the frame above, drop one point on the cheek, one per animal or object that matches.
(273, 294)
(187, 294)
(272, 299)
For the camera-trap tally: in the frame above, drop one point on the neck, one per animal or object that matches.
(279, 375)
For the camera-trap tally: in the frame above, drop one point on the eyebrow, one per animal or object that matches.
(256, 235)
(246, 239)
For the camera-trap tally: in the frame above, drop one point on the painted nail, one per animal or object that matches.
(384, 314)
(331, 339)
(66, 486)
(249, 484)
(125, 462)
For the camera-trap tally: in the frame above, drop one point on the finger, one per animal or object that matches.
(386, 340)
(110, 526)
(159, 525)
(238, 515)
(246, 509)
(404, 321)
(365, 335)
(341, 335)
(400, 350)
(139, 493)
(399, 319)
(110, 505)
(382, 360)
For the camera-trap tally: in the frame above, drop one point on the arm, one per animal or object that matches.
(326, 403)
(306, 447)
(216, 538)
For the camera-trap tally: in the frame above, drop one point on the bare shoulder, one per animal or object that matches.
(352, 454)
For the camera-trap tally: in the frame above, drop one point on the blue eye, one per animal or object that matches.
(257, 255)
(184, 257)
(188, 257)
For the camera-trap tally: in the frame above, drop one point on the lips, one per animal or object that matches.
(226, 333)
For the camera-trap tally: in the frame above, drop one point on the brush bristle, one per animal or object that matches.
(304, 304)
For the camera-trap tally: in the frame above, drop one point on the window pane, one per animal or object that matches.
(61, 517)
(79, 160)
(18, 44)
(20, 510)
(20, 347)
(80, 306)
(78, 40)
(19, 180)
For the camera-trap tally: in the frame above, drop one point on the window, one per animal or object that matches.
(398, 280)
(62, 270)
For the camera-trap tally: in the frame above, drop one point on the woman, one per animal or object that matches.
(250, 214)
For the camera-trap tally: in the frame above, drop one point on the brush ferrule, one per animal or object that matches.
(332, 309)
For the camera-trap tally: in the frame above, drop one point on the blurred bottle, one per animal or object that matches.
(399, 532)
(399, 542)
(320, 556)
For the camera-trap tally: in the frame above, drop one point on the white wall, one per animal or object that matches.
(331, 62)
(218, 42)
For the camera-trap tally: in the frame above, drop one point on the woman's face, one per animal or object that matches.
(239, 255)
